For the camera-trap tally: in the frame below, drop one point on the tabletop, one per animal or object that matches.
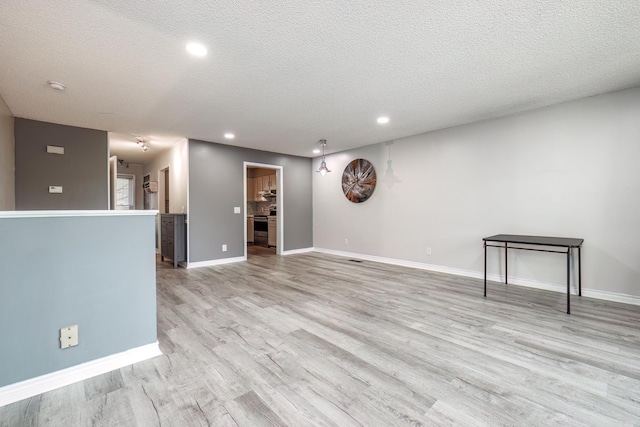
(567, 242)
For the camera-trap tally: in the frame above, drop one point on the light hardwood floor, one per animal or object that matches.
(318, 340)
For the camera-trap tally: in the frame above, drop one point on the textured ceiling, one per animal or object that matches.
(125, 147)
(283, 74)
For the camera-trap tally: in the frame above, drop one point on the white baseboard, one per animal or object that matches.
(591, 293)
(214, 262)
(395, 261)
(611, 296)
(38, 385)
(297, 251)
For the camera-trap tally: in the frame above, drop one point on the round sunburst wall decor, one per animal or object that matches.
(358, 180)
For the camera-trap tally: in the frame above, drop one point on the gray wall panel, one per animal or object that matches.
(216, 186)
(94, 272)
(81, 170)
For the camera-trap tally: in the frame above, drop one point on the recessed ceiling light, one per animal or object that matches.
(229, 135)
(56, 85)
(196, 49)
(383, 120)
(316, 151)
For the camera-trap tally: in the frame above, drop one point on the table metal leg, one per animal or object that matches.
(579, 273)
(485, 269)
(506, 270)
(568, 280)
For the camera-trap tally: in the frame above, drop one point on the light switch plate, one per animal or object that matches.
(236, 209)
(69, 336)
(57, 189)
(53, 149)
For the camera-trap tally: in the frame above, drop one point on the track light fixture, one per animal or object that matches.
(142, 143)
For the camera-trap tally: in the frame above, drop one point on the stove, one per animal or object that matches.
(260, 230)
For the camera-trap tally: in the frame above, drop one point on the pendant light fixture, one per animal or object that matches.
(323, 165)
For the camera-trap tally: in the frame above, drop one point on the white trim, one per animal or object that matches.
(262, 165)
(591, 293)
(298, 251)
(214, 262)
(280, 210)
(187, 165)
(38, 385)
(47, 214)
(394, 261)
(611, 296)
(246, 203)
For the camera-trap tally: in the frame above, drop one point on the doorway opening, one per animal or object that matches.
(125, 192)
(264, 215)
(146, 194)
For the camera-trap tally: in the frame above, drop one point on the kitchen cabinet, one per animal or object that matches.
(173, 233)
(257, 187)
(273, 228)
(272, 182)
(250, 230)
(251, 189)
(261, 183)
(266, 183)
(254, 185)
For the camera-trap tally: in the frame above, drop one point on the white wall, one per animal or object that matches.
(569, 170)
(176, 159)
(7, 159)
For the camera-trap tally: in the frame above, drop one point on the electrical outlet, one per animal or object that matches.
(236, 209)
(69, 336)
(428, 251)
(346, 242)
(224, 248)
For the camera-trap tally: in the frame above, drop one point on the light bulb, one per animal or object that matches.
(196, 49)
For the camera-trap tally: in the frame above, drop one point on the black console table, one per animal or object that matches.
(508, 240)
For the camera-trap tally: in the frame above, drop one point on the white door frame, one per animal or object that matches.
(279, 203)
(113, 179)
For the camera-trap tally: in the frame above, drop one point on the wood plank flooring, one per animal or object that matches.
(319, 340)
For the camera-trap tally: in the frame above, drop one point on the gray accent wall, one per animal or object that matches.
(216, 186)
(7, 157)
(63, 271)
(81, 171)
